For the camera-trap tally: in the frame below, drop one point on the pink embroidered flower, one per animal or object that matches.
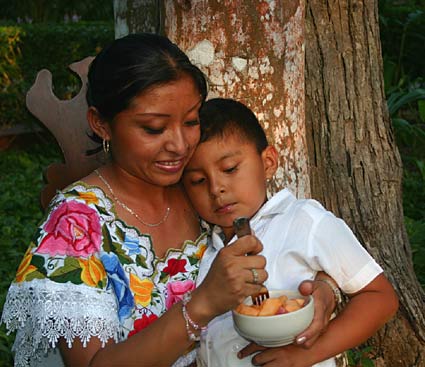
(175, 266)
(176, 290)
(140, 324)
(73, 230)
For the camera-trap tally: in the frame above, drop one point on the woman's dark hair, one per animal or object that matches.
(131, 65)
(220, 117)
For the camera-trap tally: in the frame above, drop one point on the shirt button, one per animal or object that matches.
(236, 348)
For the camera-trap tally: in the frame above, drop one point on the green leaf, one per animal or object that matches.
(35, 275)
(71, 193)
(163, 277)
(193, 260)
(367, 362)
(70, 265)
(421, 107)
(399, 99)
(73, 276)
(101, 210)
(367, 349)
(125, 259)
(120, 234)
(38, 261)
(107, 240)
(141, 261)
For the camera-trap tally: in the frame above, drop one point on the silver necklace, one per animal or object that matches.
(124, 206)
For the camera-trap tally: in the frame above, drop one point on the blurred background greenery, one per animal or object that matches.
(36, 34)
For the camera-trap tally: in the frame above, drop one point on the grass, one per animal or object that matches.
(21, 182)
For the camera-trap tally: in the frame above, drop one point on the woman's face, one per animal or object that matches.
(156, 136)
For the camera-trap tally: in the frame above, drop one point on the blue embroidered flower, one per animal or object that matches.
(132, 244)
(119, 281)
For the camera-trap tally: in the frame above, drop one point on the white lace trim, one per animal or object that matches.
(185, 360)
(43, 311)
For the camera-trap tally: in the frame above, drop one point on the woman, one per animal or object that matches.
(119, 249)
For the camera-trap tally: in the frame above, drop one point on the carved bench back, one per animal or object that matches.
(66, 119)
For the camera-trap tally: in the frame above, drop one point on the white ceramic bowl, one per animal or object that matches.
(278, 330)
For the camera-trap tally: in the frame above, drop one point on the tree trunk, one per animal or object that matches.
(252, 51)
(355, 167)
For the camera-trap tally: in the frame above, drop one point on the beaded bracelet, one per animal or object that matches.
(334, 288)
(189, 322)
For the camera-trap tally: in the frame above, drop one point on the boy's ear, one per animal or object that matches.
(270, 161)
(97, 124)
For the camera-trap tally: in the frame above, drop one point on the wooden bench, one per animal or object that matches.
(66, 120)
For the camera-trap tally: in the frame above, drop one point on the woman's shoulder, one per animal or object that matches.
(81, 194)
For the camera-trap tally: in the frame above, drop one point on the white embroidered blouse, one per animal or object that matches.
(88, 274)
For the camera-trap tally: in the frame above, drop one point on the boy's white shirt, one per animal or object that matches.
(300, 238)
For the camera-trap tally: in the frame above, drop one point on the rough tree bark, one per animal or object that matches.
(132, 16)
(252, 51)
(342, 151)
(355, 167)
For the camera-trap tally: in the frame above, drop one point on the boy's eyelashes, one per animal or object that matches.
(192, 122)
(231, 169)
(197, 181)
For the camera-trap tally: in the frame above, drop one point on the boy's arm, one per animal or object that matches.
(367, 311)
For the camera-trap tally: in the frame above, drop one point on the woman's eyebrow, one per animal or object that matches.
(161, 114)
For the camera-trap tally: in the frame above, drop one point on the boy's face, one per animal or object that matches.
(226, 178)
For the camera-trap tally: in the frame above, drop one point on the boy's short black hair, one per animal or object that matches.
(222, 116)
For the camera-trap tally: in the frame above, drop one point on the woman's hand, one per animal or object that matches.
(230, 279)
(324, 305)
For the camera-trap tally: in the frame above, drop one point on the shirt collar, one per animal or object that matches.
(277, 204)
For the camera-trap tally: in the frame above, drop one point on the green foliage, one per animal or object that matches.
(21, 182)
(28, 48)
(360, 357)
(55, 10)
(403, 37)
(416, 232)
(11, 79)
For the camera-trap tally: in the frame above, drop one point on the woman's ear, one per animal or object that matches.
(99, 126)
(270, 161)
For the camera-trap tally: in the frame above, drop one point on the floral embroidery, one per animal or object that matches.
(132, 244)
(175, 266)
(25, 267)
(176, 290)
(198, 254)
(119, 282)
(92, 272)
(83, 242)
(142, 289)
(73, 230)
(89, 197)
(140, 324)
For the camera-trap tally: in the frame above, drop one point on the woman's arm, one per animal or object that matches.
(228, 282)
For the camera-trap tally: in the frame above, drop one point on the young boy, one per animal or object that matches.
(225, 179)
